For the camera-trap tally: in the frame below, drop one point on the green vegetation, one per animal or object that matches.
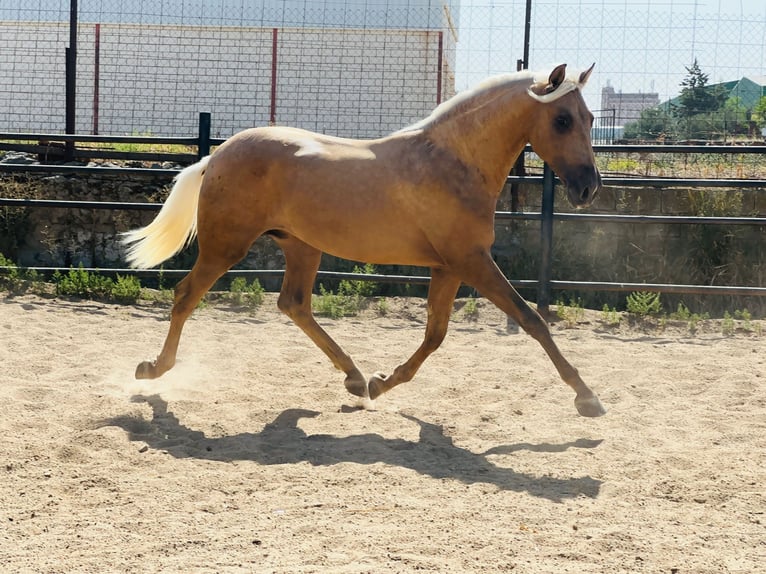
(15, 279)
(610, 315)
(471, 309)
(250, 295)
(81, 283)
(700, 112)
(350, 298)
(571, 314)
(683, 313)
(644, 303)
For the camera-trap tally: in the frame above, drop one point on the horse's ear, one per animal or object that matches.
(557, 77)
(586, 74)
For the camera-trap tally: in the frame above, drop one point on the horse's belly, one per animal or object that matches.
(372, 241)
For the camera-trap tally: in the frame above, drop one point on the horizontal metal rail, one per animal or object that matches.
(680, 148)
(616, 218)
(67, 204)
(89, 170)
(499, 215)
(661, 288)
(194, 140)
(190, 141)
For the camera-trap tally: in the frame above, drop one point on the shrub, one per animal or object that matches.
(644, 303)
(126, 289)
(249, 294)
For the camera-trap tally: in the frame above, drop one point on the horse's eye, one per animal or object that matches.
(563, 122)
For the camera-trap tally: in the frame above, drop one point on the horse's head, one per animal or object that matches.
(560, 133)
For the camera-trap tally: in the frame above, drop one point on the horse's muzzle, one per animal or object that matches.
(583, 186)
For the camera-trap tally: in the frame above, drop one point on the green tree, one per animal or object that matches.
(654, 123)
(696, 97)
(759, 113)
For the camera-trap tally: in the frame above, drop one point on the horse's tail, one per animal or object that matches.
(174, 227)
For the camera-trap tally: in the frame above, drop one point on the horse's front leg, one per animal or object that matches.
(481, 272)
(441, 295)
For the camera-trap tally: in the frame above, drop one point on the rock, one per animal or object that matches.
(18, 158)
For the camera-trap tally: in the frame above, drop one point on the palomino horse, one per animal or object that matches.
(424, 195)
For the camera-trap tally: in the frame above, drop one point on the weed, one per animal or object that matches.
(383, 306)
(727, 324)
(349, 299)
(471, 309)
(644, 303)
(571, 314)
(358, 288)
(610, 316)
(683, 313)
(335, 306)
(745, 317)
(15, 279)
(249, 294)
(80, 283)
(126, 289)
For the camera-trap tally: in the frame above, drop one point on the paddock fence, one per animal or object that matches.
(548, 216)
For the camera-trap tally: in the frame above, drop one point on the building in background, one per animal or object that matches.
(357, 68)
(627, 106)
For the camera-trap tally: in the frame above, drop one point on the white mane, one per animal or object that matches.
(570, 83)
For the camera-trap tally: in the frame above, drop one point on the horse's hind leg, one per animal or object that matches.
(441, 295)
(301, 266)
(210, 265)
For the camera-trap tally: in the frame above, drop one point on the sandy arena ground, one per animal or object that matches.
(248, 456)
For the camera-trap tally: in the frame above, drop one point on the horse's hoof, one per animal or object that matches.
(146, 370)
(590, 406)
(377, 385)
(357, 385)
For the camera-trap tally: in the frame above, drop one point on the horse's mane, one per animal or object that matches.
(490, 85)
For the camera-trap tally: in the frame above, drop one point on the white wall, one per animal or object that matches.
(156, 79)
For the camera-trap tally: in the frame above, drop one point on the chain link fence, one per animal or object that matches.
(363, 68)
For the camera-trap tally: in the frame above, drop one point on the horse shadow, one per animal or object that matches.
(282, 441)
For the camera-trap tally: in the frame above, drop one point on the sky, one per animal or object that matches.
(638, 46)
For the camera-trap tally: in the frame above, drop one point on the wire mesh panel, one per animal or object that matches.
(32, 86)
(351, 68)
(363, 68)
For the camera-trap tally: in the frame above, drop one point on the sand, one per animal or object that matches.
(250, 457)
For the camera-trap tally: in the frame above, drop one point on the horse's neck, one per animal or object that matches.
(488, 131)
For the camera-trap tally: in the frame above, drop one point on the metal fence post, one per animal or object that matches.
(203, 146)
(546, 241)
(70, 87)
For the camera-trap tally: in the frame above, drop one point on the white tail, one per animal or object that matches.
(174, 227)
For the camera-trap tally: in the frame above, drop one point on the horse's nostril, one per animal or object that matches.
(584, 194)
